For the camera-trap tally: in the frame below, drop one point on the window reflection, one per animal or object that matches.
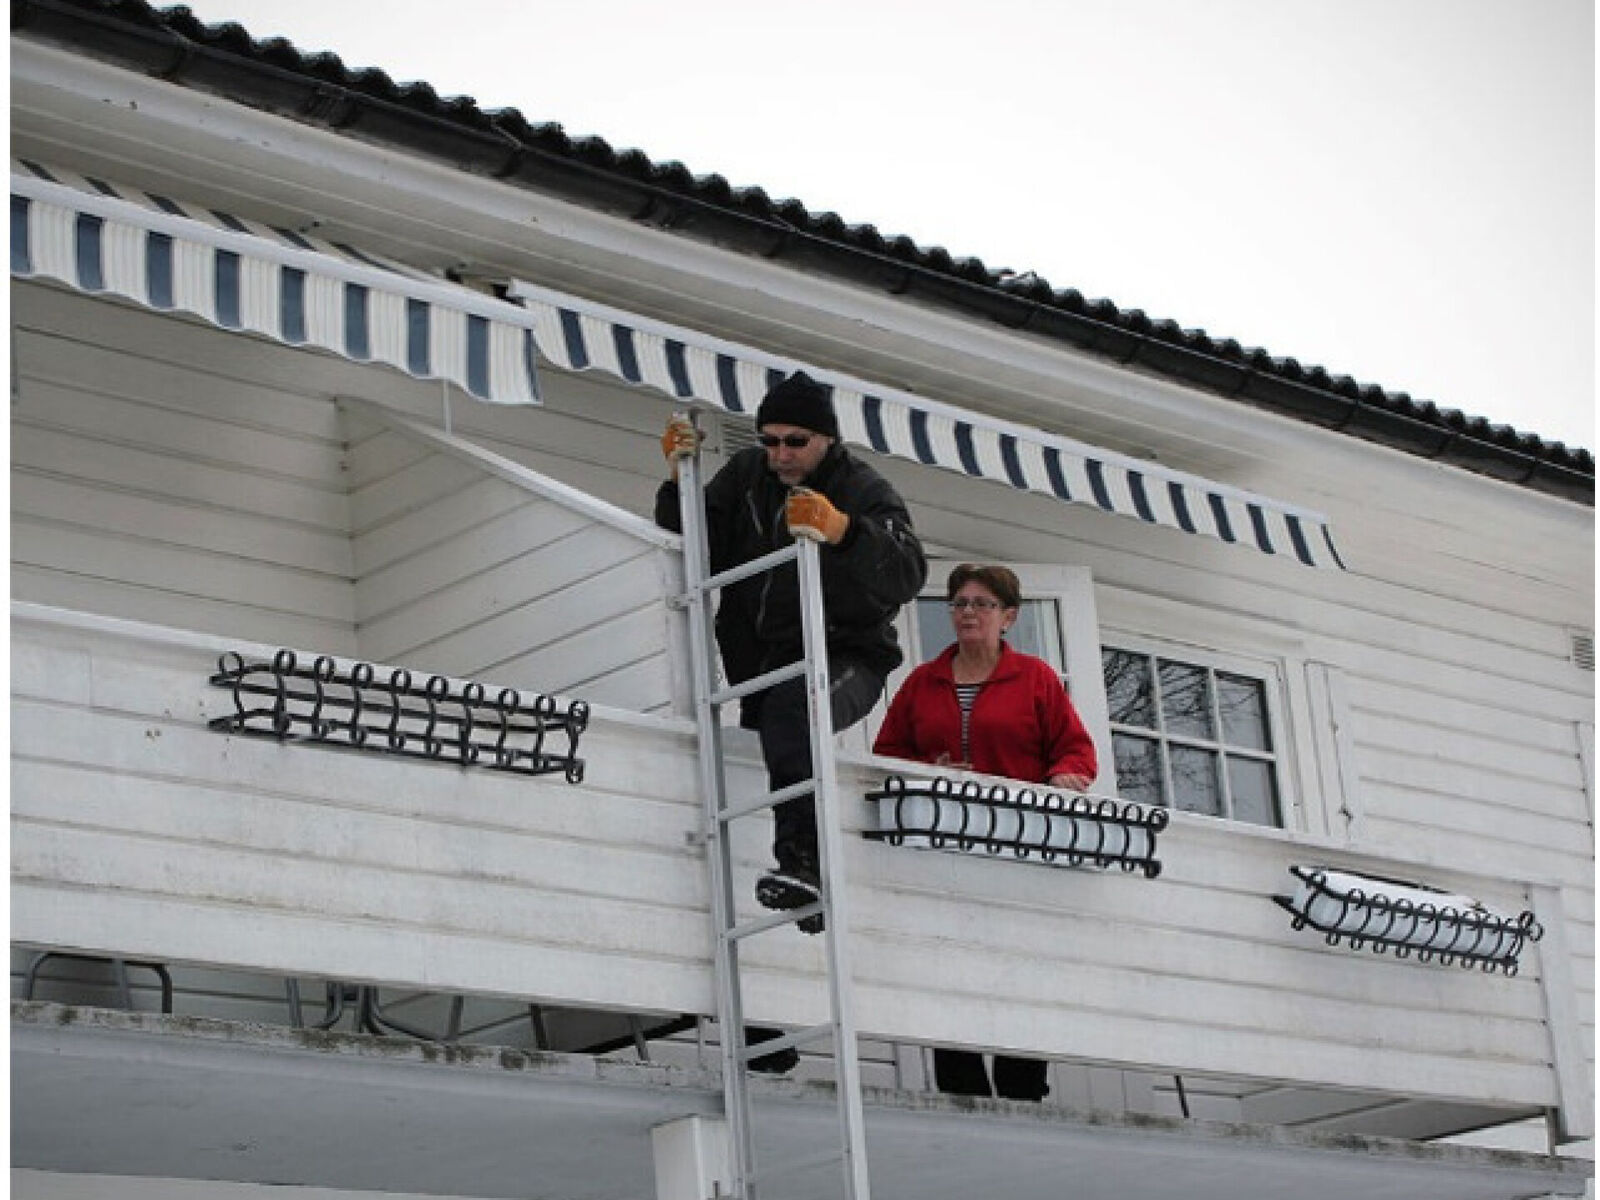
(1037, 630)
(1138, 763)
(1243, 704)
(1195, 780)
(1129, 691)
(1186, 699)
(1255, 791)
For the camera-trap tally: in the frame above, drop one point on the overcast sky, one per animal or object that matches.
(1397, 190)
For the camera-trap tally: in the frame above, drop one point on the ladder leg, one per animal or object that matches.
(718, 814)
(830, 845)
(730, 1006)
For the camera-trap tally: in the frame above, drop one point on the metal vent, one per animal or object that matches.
(737, 434)
(1583, 650)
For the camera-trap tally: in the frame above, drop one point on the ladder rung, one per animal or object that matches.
(772, 920)
(754, 567)
(789, 1041)
(768, 800)
(759, 684)
(794, 1166)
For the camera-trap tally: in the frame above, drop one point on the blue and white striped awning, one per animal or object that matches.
(688, 366)
(302, 291)
(243, 275)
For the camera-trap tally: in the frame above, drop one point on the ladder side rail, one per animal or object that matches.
(713, 786)
(830, 844)
(700, 586)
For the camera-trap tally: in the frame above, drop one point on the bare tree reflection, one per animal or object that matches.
(1217, 710)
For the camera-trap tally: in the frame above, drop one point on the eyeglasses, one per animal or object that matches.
(979, 605)
(795, 441)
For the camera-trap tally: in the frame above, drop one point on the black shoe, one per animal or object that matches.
(786, 887)
(791, 885)
(780, 1062)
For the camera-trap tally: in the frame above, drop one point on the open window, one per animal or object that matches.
(1057, 623)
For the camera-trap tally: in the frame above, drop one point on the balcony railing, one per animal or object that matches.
(386, 711)
(141, 832)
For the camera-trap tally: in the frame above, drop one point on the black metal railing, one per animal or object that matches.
(1024, 822)
(356, 708)
(1408, 918)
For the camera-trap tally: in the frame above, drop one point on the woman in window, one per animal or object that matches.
(982, 706)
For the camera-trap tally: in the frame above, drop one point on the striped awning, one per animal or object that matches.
(246, 276)
(688, 366)
(243, 275)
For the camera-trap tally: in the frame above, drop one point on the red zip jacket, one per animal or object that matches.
(1023, 725)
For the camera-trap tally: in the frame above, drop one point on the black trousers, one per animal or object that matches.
(783, 721)
(961, 1073)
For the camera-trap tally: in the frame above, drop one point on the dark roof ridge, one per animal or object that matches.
(319, 88)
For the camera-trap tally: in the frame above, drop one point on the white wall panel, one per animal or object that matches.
(1449, 636)
(137, 830)
(144, 486)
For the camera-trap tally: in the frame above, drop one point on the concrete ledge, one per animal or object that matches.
(115, 1093)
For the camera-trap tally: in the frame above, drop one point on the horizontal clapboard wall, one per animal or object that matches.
(151, 480)
(164, 472)
(467, 563)
(138, 830)
(1460, 711)
(1448, 635)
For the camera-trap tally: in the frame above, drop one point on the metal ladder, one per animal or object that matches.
(720, 813)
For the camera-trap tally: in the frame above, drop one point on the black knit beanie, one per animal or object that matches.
(799, 400)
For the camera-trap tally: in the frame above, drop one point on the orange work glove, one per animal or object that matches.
(680, 440)
(811, 515)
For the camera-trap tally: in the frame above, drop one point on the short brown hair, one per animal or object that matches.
(1002, 581)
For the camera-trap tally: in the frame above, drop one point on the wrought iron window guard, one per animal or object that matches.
(353, 708)
(1367, 910)
(964, 816)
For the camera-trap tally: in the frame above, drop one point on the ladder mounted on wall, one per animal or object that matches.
(721, 812)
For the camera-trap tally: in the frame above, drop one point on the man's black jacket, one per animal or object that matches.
(876, 568)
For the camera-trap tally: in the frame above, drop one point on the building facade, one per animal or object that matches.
(306, 362)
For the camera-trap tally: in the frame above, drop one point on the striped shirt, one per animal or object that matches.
(966, 697)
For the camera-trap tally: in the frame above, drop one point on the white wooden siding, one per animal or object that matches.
(148, 486)
(203, 492)
(1449, 636)
(1460, 706)
(138, 831)
(472, 575)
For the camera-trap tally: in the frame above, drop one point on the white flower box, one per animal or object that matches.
(1026, 824)
(1408, 918)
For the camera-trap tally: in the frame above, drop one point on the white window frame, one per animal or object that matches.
(1270, 672)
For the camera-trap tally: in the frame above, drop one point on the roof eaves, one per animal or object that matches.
(318, 88)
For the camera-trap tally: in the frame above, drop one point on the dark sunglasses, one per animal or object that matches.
(795, 441)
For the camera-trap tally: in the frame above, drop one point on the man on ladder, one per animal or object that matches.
(801, 482)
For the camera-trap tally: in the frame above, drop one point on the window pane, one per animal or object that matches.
(934, 631)
(1128, 689)
(1195, 784)
(1138, 768)
(1255, 793)
(1186, 700)
(1038, 632)
(1243, 704)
